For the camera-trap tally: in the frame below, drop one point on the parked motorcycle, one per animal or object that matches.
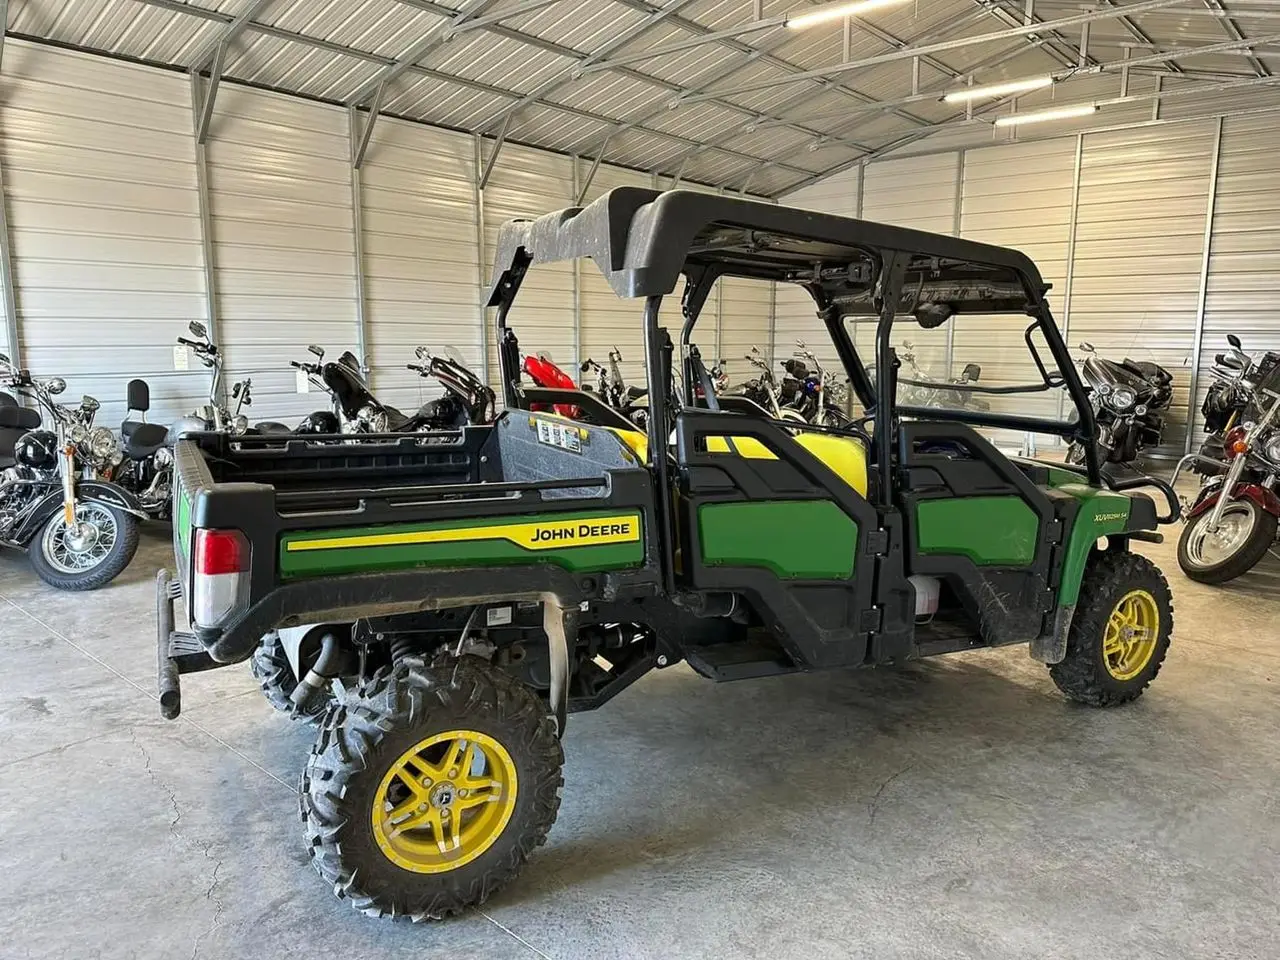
(612, 388)
(919, 388)
(467, 398)
(79, 531)
(1233, 521)
(765, 391)
(1228, 402)
(1129, 403)
(808, 390)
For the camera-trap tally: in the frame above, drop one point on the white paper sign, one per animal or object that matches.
(181, 359)
(304, 383)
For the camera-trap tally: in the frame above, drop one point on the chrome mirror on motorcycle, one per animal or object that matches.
(89, 404)
(1086, 346)
(1234, 340)
(318, 351)
(422, 353)
(55, 385)
(197, 329)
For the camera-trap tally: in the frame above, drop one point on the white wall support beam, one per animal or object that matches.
(354, 134)
(207, 259)
(482, 278)
(577, 285)
(1073, 220)
(1193, 385)
(12, 331)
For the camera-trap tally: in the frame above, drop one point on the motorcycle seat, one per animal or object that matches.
(271, 426)
(18, 418)
(142, 440)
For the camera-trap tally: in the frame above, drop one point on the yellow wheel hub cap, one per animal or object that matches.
(1131, 635)
(444, 801)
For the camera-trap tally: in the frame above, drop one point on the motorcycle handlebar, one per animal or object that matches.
(196, 344)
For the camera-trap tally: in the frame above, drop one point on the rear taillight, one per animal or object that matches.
(220, 581)
(1234, 443)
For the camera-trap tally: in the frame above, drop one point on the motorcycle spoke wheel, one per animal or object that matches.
(76, 549)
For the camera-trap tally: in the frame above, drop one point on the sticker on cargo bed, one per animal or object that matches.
(559, 435)
(535, 535)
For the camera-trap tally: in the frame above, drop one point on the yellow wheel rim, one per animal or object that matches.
(1133, 629)
(444, 801)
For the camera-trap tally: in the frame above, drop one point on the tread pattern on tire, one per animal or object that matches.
(401, 698)
(270, 666)
(1081, 675)
(126, 545)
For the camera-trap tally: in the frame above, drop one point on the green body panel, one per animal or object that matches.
(796, 539)
(1101, 512)
(485, 550)
(990, 531)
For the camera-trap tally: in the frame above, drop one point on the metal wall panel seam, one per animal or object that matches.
(1073, 219)
(357, 239)
(577, 278)
(12, 333)
(206, 217)
(1197, 342)
(477, 201)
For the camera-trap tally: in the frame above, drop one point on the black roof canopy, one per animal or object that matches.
(644, 240)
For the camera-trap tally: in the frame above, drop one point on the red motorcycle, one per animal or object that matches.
(543, 371)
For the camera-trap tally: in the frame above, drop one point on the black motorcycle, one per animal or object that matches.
(467, 398)
(1231, 401)
(1129, 400)
(354, 407)
(79, 532)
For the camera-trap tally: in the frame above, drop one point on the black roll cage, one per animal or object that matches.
(645, 241)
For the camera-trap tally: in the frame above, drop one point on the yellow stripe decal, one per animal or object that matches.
(540, 535)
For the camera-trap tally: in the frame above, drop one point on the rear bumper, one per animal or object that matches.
(176, 652)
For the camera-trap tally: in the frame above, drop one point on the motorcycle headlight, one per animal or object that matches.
(1121, 398)
(77, 433)
(102, 444)
(240, 424)
(1272, 449)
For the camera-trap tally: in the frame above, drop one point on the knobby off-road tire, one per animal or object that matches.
(368, 736)
(1085, 675)
(124, 545)
(271, 668)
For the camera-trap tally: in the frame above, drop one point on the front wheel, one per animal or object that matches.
(429, 787)
(1120, 631)
(87, 554)
(1243, 537)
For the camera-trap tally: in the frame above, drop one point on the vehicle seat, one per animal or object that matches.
(142, 439)
(271, 426)
(137, 397)
(15, 421)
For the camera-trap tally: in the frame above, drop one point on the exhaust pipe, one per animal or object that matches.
(318, 676)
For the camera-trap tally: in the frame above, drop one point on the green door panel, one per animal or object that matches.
(796, 539)
(1101, 512)
(990, 531)
(575, 541)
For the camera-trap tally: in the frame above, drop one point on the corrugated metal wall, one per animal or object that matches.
(99, 170)
(1117, 223)
(1244, 254)
(280, 196)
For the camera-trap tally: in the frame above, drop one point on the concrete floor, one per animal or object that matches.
(959, 807)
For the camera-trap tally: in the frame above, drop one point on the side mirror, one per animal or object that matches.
(422, 353)
(801, 344)
(4, 358)
(586, 365)
(972, 372)
(198, 330)
(1087, 347)
(318, 351)
(56, 385)
(235, 390)
(1233, 340)
(88, 404)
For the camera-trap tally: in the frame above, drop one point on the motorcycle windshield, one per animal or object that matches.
(347, 383)
(1099, 370)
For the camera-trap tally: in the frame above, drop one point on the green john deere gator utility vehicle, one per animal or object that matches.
(452, 596)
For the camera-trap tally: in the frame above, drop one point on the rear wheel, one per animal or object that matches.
(428, 789)
(89, 553)
(1243, 537)
(274, 673)
(1120, 632)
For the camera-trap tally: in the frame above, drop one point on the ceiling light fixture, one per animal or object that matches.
(965, 94)
(836, 11)
(1061, 113)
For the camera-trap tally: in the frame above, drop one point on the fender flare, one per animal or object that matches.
(111, 495)
(1263, 498)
